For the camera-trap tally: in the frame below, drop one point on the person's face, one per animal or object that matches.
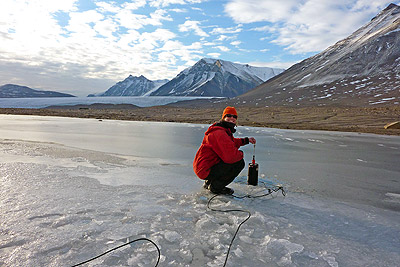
(230, 118)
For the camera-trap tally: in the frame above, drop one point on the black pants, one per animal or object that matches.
(223, 174)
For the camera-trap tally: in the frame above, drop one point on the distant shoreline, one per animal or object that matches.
(344, 119)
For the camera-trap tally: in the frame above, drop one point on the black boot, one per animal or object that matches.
(223, 191)
(207, 184)
(227, 191)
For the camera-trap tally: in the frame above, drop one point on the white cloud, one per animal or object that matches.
(164, 3)
(196, 8)
(214, 55)
(172, 45)
(134, 5)
(107, 7)
(79, 22)
(220, 30)
(152, 40)
(248, 11)
(129, 20)
(25, 25)
(106, 28)
(205, 43)
(44, 6)
(178, 50)
(305, 25)
(222, 37)
(262, 29)
(236, 43)
(191, 25)
(126, 18)
(158, 16)
(227, 38)
(128, 39)
(167, 57)
(178, 10)
(223, 48)
(195, 46)
(63, 47)
(89, 47)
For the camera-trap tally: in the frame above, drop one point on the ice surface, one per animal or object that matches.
(71, 190)
(141, 101)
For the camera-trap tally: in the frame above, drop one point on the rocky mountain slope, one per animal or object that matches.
(362, 69)
(133, 86)
(18, 91)
(216, 77)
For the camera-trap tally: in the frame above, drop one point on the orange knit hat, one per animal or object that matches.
(229, 110)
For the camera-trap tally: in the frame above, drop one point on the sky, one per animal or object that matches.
(86, 46)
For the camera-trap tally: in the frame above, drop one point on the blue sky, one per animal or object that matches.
(86, 46)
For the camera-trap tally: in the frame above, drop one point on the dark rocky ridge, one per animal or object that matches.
(18, 91)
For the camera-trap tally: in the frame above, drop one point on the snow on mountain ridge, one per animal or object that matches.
(264, 73)
(385, 21)
(216, 77)
(133, 86)
(157, 84)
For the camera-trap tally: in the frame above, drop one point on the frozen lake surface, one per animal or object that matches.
(74, 188)
(42, 102)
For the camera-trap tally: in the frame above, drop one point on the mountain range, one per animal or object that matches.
(216, 77)
(360, 70)
(133, 86)
(208, 77)
(18, 91)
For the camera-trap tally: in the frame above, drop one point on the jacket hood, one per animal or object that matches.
(221, 125)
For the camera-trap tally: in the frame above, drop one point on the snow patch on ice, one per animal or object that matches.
(317, 141)
(172, 236)
(282, 249)
(392, 197)
(330, 260)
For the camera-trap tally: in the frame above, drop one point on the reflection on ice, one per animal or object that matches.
(62, 204)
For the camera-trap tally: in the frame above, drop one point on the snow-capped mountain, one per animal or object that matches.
(216, 77)
(133, 86)
(362, 69)
(18, 91)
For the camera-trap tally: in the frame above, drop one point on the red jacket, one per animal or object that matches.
(218, 144)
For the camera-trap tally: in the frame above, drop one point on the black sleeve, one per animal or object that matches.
(245, 141)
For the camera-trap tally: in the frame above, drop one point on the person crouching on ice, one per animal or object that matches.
(218, 160)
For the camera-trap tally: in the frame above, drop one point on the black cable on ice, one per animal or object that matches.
(123, 245)
(237, 230)
(270, 191)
